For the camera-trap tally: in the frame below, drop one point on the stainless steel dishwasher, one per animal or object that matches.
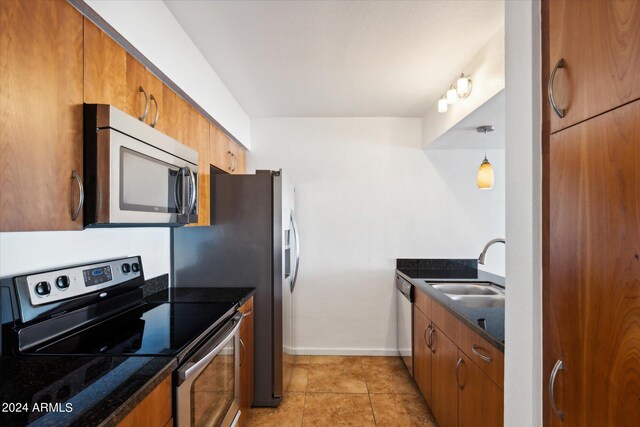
(404, 306)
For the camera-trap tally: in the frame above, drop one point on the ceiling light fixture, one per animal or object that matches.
(463, 86)
(485, 177)
(442, 105)
(452, 96)
(461, 90)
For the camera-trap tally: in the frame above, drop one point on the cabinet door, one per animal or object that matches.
(246, 358)
(237, 154)
(600, 44)
(41, 109)
(422, 353)
(218, 149)
(149, 101)
(154, 410)
(593, 288)
(444, 389)
(105, 68)
(481, 401)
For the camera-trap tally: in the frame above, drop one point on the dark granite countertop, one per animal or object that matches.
(494, 317)
(83, 390)
(201, 294)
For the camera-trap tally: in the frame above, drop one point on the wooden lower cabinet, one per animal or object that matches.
(422, 353)
(480, 401)
(154, 410)
(592, 290)
(460, 391)
(246, 359)
(444, 389)
(41, 94)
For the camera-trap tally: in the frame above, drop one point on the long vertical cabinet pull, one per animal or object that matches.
(552, 382)
(155, 120)
(146, 104)
(460, 362)
(560, 112)
(76, 177)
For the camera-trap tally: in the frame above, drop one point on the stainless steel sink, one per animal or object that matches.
(472, 294)
(466, 288)
(479, 301)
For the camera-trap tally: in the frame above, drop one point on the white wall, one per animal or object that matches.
(32, 251)
(154, 31)
(366, 194)
(523, 353)
(486, 69)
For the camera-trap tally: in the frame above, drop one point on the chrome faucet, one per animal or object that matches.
(483, 254)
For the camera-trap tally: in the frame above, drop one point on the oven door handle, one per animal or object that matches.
(193, 368)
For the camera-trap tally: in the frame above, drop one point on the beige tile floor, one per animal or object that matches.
(347, 391)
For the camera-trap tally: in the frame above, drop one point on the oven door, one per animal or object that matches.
(207, 385)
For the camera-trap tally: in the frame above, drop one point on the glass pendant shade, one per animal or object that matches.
(485, 175)
(462, 86)
(452, 96)
(442, 105)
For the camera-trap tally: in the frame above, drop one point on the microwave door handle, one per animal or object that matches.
(297, 262)
(193, 192)
(190, 370)
(175, 191)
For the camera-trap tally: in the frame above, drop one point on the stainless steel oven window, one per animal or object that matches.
(208, 394)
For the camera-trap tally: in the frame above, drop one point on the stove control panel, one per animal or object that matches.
(67, 283)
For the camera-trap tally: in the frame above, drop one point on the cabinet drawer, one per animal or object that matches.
(447, 322)
(488, 358)
(422, 302)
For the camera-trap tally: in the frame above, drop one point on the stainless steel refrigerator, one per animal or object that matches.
(252, 242)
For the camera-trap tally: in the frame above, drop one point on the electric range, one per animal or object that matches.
(99, 309)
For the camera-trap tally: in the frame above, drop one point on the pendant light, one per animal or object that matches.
(485, 176)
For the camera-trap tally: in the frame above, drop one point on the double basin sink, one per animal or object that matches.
(472, 294)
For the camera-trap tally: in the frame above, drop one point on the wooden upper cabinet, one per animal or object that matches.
(600, 44)
(41, 110)
(481, 402)
(144, 93)
(593, 289)
(105, 69)
(225, 154)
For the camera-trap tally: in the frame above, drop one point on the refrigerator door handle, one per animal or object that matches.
(297, 262)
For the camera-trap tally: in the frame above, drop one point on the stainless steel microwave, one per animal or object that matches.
(135, 175)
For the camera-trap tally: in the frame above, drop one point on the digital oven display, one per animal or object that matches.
(97, 275)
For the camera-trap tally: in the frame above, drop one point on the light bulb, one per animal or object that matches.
(486, 176)
(452, 96)
(463, 86)
(442, 105)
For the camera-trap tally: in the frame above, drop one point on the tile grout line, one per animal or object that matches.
(373, 413)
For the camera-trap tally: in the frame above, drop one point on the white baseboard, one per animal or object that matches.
(343, 351)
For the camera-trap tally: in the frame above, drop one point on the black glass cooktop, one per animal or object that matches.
(152, 329)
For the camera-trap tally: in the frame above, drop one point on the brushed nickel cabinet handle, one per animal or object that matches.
(230, 167)
(552, 382)
(248, 313)
(474, 349)
(424, 335)
(235, 162)
(460, 362)
(430, 336)
(76, 213)
(243, 348)
(146, 104)
(560, 112)
(433, 348)
(155, 120)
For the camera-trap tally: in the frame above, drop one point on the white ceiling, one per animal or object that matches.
(464, 134)
(338, 58)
